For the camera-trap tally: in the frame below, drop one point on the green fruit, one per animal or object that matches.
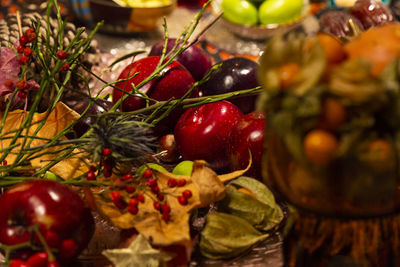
(240, 12)
(50, 176)
(279, 11)
(153, 166)
(184, 168)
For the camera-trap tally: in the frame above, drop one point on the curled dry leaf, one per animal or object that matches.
(206, 187)
(57, 121)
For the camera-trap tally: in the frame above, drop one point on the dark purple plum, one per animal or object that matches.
(195, 59)
(337, 23)
(372, 13)
(83, 125)
(237, 73)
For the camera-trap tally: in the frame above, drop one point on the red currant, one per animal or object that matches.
(68, 248)
(147, 173)
(23, 40)
(53, 264)
(181, 182)
(52, 238)
(20, 49)
(172, 182)
(127, 177)
(133, 201)
(166, 216)
(156, 205)
(4, 162)
(140, 198)
(155, 189)
(133, 209)
(23, 60)
(160, 196)
(30, 34)
(182, 200)
(90, 175)
(28, 52)
(65, 67)
(18, 263)
(130, 189)
(22, 94)
(106, 152)
(38, 259)
(187, 194)
(117, 199)
(21, 85)
(165, 208)
(151, 182)
(61, 54)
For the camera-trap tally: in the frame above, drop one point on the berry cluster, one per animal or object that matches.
(127, 192)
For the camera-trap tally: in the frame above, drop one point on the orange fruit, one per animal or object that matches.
(333, 114)
(287, 72)
(320, 146)
(333, 48)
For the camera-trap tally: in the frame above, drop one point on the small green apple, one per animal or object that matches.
(279, 11)
(184, 168)
(150, 165)
(240, 12)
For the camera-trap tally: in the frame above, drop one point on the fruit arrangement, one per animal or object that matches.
(145, 156)
(332, 110)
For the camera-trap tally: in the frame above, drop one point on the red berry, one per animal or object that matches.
(130, 189)
(118, 200)
(172, 182)
(133, 201)
(28, 52)
(38, 259)
(21, 85)
(140, 198)
(65, 67)
(90, 175)
(107, 173)
(187, 194)
(4, 162)
(155, 189)
(53, 264)
(23, 40)
(166, 216)
(127, 177)
(160, 196)
(31, 36)
(61, 54)
(22, 94)
(68, 248)
(133, 210)
(18, 263)
(23, 60)
(52, 238)
(165, 208)
(151, 182)
(181, 182)
(106, 152)
(147, 173)
(156, 205)
(20, 49)
(182, 200)
(29, 30)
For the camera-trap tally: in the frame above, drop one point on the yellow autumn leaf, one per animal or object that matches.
(206, 187)
(57, 120)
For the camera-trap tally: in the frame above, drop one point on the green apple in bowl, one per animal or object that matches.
(279, 11)
(240, 12)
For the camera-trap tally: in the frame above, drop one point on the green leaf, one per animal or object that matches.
(259, 208)
(226, 236)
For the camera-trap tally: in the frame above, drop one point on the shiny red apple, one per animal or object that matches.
(202, 132)
(246, 137)
(64, 220)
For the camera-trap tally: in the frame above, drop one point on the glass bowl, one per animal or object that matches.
(258, 32)
(120, 19)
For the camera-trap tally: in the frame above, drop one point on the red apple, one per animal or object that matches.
(174, 83)
(63, 218)
(202, 132)
(246, 137)
(194, 58)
